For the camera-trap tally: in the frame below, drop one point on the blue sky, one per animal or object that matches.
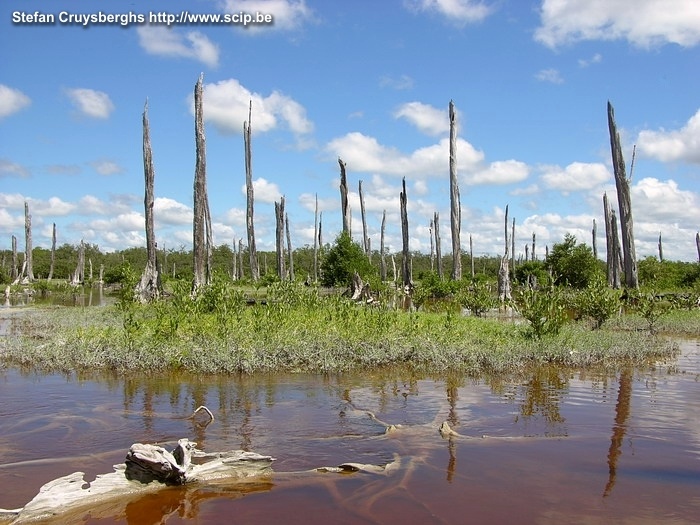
(366, 81)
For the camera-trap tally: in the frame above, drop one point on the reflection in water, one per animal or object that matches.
(550, 433)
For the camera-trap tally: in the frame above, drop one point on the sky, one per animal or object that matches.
(366, 81)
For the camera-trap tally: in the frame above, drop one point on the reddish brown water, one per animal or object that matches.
(563, 447)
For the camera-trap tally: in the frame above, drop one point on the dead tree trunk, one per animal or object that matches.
(624, 203)
(455, 206)
(14, 273)
(382, 255)
(289, 247)
(252, 251)
(53, 252)
(432, 247)
(661, 250)
(438, 247)
(503, 271)
(344, 204)
(594, 239)
(471, 254)
(697, 244)
(79, 275)
(532, 255)
(365, 238)
(201, 231)
(406, 263)
(617, 253)
(512, 242)
(149, 287)
(279, 238)
(609, 245)
(316, 241)
(28, 257)
(240, 259)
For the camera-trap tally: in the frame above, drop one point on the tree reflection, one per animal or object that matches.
(542, 397)
(622, 412)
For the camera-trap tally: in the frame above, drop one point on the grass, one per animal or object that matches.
(297, 330)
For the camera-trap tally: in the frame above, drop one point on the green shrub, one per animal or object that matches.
(544, 310)
(478, 298)
(598, 302)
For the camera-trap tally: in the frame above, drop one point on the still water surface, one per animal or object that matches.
(560, 446)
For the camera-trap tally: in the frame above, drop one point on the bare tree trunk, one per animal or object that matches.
(394, 272)
(617, 252)
(532, 255)
(240, 259)
(455, 206)
(316, 241)
(438, 245)
(697, 243)
(149, 287)
(234, 261)
(279, 238)
(14, 271)
(609, 242)
(503, 271)
(28, 255)
(382, 256)
(471, 254)
(53, 252)
(344, 204)
(252, 251)
(201, 236)
(405, 266)
(512, 242)
(624, 203)
(527, 253)
(594, 240)
(661, 250)
(432, 247)
(79, 275)
(289, 248)
(365, 238)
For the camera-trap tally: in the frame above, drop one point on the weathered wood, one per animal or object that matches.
(438, 244)
(344, 203)
(617, 252)
(240, 258)
(609, 242)
(79, 274)
(532, 255)
(382, 255)
(201, 223)
(53, 252)
(250, 196)
(289, 247)
(697, 243)
(455, 205)
(594, 240)
(405, 264)
(316, 243)
(149, 287)
(14, 271)
(365, 237)
(503, 271)
(432, 246)
(661, 249)
(28, 251)
(512, 242)
(625, 204)
(471, 254)
(279, 239)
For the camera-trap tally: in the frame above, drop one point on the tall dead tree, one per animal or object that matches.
(697, 243)
(53, 252)
(279, 238)
(14, 272)
(432, 246)
(455, 207)
(250, 197)
(661, 250)
(594, 240)
(512, 242)
(532, 255)
(201, 224)
(28, 257)
(382, 255)
(316, 241)
(471, 254)
(240, 259)
(289, 247)
(503, 271)
(149, 287)
(406, 263)
(609, 242)
(79, 274)
(624, 203)
(617, 253)
(365, 237)
(344, 203)
(438, 247)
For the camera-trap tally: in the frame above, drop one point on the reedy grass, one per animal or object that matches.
(297, 330)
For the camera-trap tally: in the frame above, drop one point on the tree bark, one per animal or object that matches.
(279, 239)
(624, 203)
(512, 241)
(240, 259)
(438, 245)
(532, 255)
(53, 252)
(455, 206)
(503, 271)
(432, 247)
(14, 273)
(289, 248)
(201, 224)
(365, 238)
(149, 288)
(79, 275)
(344, 204)
(382, 255)
(471, 254)
(250, 225)
(617, 253)
(316, 241)
(697, 244)
(661, 249)
(405, 265)
(28, 255)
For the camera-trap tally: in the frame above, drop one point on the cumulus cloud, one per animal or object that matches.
(499, 172)
(226, 106)
(90, 102)
(264, 190)
(674, 145)
(12, 169)
(643, 23)
(576, 176)
(107, 167)
(459, 11)
(428, 119)
(11, 101)
(549, 75)
(362, 153)
(288, 15)
(166, 41)
(664, 201)
(170, 211)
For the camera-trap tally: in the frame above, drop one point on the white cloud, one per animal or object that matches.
(575, 177)
(166, 41)
(364, 154)
(643, 23)
(107, 167)
(664, 201)
(428, 119)
(288, 15)
(226, 106)
(170, 211)
(399, 83)
(500, 172)
(12, 169)
(549, 75)
(460, 11)
(124, 222)
(595, 59)
(12, 101)
(264, 191)
(682, 144)
(91, 103)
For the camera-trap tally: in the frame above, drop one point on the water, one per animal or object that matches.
(547, 446)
